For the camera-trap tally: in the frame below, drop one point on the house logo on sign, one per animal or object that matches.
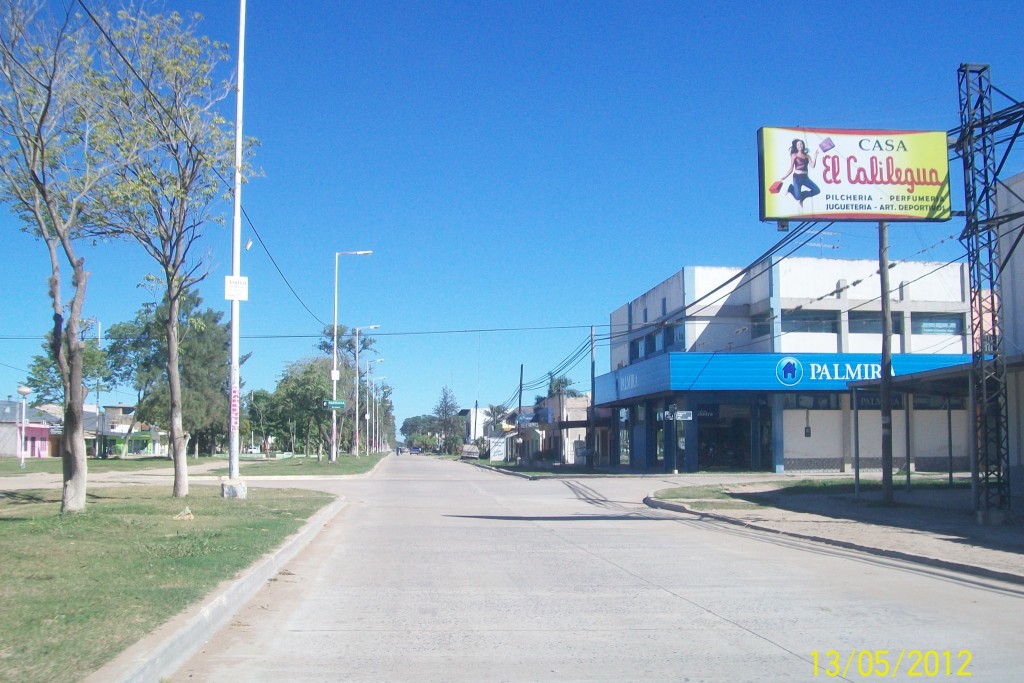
(789, 371)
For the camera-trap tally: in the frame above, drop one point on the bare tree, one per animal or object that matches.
(166, 78)
(54, 156)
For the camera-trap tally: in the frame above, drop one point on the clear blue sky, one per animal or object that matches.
(524, 165)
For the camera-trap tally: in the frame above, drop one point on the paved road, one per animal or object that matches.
(437, 571)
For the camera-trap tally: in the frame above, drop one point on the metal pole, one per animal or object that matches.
(908, 405)
(21, 436)
(334, 368)
(355, 422)
(367, 416)
(949, 437)
(236, 252)
(886, 379)
(856, 446)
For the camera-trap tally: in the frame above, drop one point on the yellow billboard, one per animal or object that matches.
(810, 174)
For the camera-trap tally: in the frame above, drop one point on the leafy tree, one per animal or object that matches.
(44, 375)
(164, 195)
(135, 359)
(203, 374)
(56, 156)
(257, 406)
(346, 344)
(422, 424)
(450, 425)
(561, 385)
(298, 403)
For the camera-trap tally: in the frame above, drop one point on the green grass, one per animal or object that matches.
(10, 467)
(79, 589)
(346, 464)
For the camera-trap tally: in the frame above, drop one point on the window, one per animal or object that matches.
(761, 325)
(664, 307)
(810, 321)
(870, 322)
(937, 323)
(679, 334)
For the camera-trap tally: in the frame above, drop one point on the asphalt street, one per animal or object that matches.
(437, 571)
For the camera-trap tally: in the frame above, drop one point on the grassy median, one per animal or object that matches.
(11, 466)
(78, 589)
(302, 466)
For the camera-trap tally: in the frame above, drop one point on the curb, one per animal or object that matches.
(166, 649)
(846, 545)
(497, 470)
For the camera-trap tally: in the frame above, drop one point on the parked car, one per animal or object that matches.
(415, 450)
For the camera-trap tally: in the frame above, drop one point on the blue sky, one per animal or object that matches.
(525, 167)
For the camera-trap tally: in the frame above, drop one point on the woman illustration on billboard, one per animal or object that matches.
(801, 187)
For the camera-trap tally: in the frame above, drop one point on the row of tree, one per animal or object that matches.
(111, 130)
(293, 416)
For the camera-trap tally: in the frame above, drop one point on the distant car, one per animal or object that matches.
(415, 450)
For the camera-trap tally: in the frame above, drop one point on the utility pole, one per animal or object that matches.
(519, 416)
(592, 409)
(886, 379)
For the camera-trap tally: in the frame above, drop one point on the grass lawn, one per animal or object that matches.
(10, 466)
(346, 464)
(79, 589)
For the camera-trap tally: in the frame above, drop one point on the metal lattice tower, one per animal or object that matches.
(977, 146)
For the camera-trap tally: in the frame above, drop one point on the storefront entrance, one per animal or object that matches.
(724, 437)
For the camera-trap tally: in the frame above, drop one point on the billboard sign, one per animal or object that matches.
(815, 174)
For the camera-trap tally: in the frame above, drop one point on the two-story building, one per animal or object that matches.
(749, 368)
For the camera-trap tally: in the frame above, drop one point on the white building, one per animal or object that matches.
(1009, 201)
(730, 368)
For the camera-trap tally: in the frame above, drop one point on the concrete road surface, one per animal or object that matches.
(438, 571)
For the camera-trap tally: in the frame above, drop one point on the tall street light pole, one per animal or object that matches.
(376, 413)
(335, 375)
(355, 442)
(236, 287)
(369, 398)
(24, 391)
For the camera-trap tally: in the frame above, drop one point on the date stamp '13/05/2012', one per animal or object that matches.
(890, 663)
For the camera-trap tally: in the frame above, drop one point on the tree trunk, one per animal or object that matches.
(68, 350)
(177, 436)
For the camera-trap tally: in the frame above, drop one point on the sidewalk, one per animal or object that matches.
(935, 527)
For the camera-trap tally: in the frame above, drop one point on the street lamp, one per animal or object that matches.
(335, 375)
(24, 391)
(376, 413)
(355, 442)
(369, 397)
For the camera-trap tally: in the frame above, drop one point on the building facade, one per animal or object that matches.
(1009, 202)
(728, 368)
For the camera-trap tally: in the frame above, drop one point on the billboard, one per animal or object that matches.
(809, 174)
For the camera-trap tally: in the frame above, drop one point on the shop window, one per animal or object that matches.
(951, 324)
(794, 401)
(810, 321)
(929, 402)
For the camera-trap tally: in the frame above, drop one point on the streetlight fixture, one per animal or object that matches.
(335, 375)
(355, 442)
(24, 391)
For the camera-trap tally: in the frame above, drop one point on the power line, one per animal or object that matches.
(216, 172)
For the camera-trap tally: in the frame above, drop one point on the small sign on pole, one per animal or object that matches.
(684, 414)
(334, 404)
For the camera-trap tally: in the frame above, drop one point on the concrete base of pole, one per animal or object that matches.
(992, 517)
(232, 488)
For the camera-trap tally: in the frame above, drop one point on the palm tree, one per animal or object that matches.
(495, 416)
